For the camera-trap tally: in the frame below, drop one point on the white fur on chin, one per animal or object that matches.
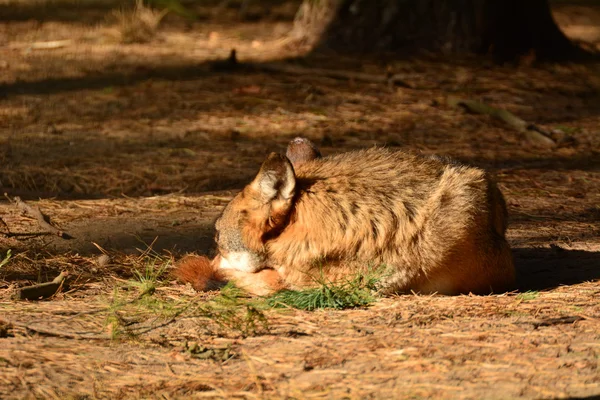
(240, 261)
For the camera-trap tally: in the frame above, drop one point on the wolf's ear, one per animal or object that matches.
(275, 180)
(301, 150)
(272, 192)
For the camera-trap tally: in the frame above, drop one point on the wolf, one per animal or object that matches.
(433, 225)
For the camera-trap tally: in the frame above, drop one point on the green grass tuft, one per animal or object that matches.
(233, 312)
(356, 292)
(529, 295)
(125, 317)
(148, 279)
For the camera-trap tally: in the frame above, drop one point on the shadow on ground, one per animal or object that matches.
(546, 268)
(140, 73)
(537, 268)
(178, 234)
(89, 12)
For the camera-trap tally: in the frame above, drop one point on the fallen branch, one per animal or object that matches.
(392, 80)
(232, 63)
(531, 131)
(558, 321)
(42, 290)
(26, 235)
(43, 220)
(55, 333)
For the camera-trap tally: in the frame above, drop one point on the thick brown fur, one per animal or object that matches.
(199, 272)
(435, 225)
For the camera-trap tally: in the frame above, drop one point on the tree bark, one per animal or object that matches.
(505, 28)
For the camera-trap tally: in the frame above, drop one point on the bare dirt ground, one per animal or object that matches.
(127, 146)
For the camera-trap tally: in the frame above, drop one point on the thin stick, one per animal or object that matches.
(56, 333)
(531, 131)
(43, 220)
(42, 290)
(3, 224)
(392, 80)
(232, 63)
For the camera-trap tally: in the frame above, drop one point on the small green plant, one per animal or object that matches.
(528, 295)
(6, 258)
(231, 311)
(245, 319)
(135, 315)
(352, 293)
(130, 318)
(113, 323)
(150, 277)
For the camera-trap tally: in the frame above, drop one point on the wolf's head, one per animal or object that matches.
(259, 212)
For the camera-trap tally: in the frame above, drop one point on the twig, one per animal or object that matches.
(532, 132)
(43, 220)
(3, 224)
(232, 63)
(42, 290)
(56, 333)
(392, 80)
(26, 235)
(558, 321)
(53, 44)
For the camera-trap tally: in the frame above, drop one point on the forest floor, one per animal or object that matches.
(134, 149)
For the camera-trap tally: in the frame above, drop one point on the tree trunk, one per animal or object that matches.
(506, 28)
